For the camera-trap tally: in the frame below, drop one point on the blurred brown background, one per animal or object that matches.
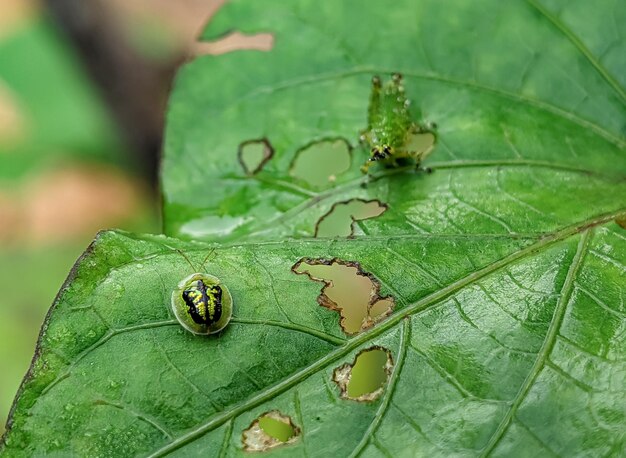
(83, 87)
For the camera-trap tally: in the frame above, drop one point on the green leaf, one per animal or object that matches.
(530, 124)
(474, 340)
(505, 263)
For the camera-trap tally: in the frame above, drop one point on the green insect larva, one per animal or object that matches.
(391, 135)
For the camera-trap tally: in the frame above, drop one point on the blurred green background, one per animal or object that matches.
(83, 86)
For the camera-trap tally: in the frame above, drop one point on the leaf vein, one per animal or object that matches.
(537, 438)
(517, 97)
(548, 344)
(447, 376)
(475, 209)
(292, 326)
(601, 304)
(105, 338)
(138, 415)
(226, 441)
(559, 25)
(405, 338)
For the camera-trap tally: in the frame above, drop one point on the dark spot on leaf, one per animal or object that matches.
(320, 163)
(621, 221)
(364, 380)
(349, 290)
(340, 219)
(268, 431)
(254, 154)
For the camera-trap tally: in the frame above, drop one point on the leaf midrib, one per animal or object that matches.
(420, 306)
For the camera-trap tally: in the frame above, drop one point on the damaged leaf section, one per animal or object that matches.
(349, 290)
(269, 431)
(365, 379)
(421, 143)
(339, 221)
(321, 162)
(254, 154)
(235, 41)
(621, 221)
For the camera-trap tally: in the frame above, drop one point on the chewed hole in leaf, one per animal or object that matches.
(349, 290)
(421, 143)
(254, 154)
(321, 162)
(277, 429)
(268, 431)
(339, 221)
(364, 380)
(235, 41)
